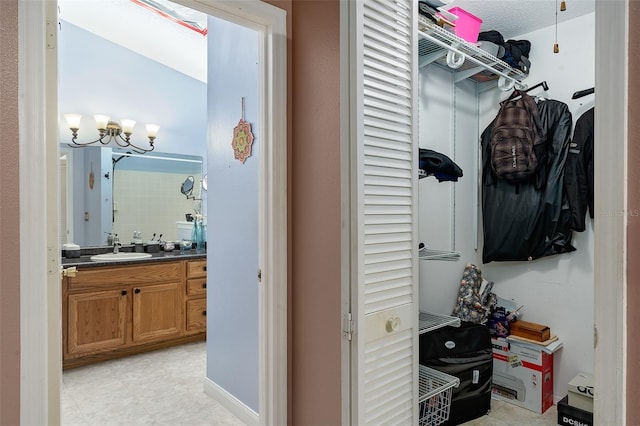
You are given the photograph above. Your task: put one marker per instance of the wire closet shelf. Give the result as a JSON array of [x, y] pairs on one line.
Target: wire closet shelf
[[442, 47]]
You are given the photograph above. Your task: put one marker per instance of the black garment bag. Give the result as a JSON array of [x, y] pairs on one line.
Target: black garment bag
[[463, 352]]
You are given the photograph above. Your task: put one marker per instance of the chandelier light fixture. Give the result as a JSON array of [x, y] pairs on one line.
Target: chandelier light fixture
[[109, 131]]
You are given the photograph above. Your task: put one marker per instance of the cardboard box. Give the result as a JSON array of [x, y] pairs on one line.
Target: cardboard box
[[523, 373], [571, 416], [581, 392]]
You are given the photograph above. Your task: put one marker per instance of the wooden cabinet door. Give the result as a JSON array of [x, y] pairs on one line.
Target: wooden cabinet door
[[196, 315], [96, 321], [157, 311]]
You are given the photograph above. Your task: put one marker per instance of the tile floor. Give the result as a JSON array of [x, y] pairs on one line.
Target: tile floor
[[506, 414], [165, 387]]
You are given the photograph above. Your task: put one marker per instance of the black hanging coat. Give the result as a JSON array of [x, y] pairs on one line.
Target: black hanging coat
[[579, 171], [529, 220]]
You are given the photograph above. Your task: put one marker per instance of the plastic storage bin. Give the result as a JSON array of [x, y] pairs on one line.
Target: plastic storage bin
[[467, 25]]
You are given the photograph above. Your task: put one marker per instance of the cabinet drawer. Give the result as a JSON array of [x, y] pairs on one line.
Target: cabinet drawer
[[196, 315], [197, 268], [197, 287], [150, 273]]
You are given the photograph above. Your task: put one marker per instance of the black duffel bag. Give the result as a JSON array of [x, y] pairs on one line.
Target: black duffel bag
[[463, 352]]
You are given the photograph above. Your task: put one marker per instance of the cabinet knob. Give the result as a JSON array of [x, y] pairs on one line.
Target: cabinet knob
[[204, 313], [123, 292], [204, 285], [136, 291]]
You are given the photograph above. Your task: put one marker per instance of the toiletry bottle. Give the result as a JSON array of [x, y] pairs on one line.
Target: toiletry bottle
[[201, 236]]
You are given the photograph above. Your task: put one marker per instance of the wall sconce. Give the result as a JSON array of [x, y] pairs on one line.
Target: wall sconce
[[111, 131]]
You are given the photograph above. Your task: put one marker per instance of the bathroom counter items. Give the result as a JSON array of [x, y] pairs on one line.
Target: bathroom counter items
[[85, 261]]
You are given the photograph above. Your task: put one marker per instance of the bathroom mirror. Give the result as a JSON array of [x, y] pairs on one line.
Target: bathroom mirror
[[115, 191]]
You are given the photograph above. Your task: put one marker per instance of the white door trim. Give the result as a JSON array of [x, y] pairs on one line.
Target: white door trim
[[271, 23], [40, 301], [610, 257], [40, 298]]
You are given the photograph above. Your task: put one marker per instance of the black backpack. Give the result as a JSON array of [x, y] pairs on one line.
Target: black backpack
[[516, 139]]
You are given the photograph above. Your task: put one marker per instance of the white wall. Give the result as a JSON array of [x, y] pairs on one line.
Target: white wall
[[557, 290]]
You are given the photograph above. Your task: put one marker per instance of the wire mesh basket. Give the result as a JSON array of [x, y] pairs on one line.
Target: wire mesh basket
[[436, 388]]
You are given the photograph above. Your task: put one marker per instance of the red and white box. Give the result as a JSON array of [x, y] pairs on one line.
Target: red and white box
[[523, 373]]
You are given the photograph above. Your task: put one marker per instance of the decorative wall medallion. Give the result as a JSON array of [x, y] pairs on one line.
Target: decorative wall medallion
[[242, 139]]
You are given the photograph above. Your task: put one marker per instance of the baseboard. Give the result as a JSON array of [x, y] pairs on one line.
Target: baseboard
[[231, 403]]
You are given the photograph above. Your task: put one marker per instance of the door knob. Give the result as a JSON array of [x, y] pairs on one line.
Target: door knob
[[393, 324]]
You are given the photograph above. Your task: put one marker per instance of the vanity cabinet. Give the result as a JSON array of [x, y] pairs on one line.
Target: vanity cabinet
[[196, 305], [114, 311]]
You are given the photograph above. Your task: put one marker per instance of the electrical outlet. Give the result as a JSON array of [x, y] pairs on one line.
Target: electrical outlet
[[86, 216]]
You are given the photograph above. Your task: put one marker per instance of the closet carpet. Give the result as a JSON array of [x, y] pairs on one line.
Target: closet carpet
[[163, 387]]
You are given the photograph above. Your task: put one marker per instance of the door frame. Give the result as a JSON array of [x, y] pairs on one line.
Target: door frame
[[40, 288]]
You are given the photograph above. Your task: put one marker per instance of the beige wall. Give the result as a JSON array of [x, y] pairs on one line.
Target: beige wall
[[315, 206], [633, 231], [9, 210]]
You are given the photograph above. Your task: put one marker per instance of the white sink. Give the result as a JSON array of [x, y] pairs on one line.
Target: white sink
[[119, 257]]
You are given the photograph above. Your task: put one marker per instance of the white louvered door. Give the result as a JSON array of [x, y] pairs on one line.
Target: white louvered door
[[383, 74]]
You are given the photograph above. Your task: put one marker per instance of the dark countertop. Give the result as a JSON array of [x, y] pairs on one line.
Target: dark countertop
[[86, 262]]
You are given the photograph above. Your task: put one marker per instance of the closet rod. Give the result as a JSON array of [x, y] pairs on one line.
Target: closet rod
[[581, 93]]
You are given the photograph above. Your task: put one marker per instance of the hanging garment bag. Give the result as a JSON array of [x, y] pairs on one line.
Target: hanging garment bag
[[464, 352]]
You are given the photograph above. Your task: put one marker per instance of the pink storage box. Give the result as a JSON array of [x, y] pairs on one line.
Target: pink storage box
[[467, 25]]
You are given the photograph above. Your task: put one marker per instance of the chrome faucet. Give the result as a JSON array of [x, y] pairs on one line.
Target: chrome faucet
[[116, 244]]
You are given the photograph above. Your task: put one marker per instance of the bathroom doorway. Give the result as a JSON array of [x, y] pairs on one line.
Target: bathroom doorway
[[43, 354]]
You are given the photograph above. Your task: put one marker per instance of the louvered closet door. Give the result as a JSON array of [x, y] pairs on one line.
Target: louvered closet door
[[384, 199]]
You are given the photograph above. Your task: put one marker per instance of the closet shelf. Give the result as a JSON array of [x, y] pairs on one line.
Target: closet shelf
[[442, 47], [434, 395], [433, 254], [429, 321]]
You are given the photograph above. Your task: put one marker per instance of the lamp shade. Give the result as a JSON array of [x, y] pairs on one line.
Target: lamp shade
[[73, 120], [152, 130], [101, 121], [127, 125]]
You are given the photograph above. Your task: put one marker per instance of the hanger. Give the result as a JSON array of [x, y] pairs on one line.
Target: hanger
[[516, 92], [581, 93], [544, 85]]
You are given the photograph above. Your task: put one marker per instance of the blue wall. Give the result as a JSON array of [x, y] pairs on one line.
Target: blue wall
[[232, 247]]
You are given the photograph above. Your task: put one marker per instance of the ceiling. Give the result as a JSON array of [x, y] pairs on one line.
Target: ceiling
[[156, 37], [513, 18]]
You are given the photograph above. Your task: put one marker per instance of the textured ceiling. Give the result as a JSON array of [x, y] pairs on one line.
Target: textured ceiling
[[516, 17]]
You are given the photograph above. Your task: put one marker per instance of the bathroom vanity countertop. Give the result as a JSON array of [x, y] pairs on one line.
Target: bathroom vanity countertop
[[86, 262]]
